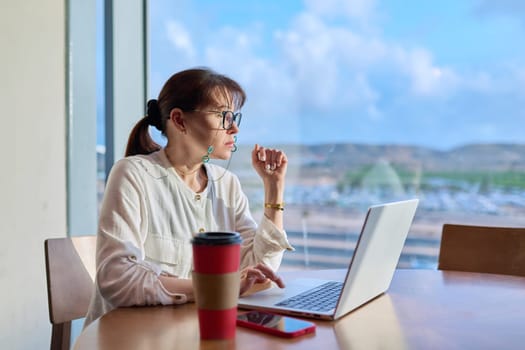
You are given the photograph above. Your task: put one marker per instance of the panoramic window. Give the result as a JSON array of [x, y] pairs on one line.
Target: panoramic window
[[101, 105], [373, 101]]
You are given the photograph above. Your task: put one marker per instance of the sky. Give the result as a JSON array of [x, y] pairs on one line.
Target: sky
[[439, 74]]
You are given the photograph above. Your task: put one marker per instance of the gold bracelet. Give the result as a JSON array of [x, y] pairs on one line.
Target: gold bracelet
[[276, 206]]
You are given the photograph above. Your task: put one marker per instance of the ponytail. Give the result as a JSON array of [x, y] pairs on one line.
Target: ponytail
[[140, 141]]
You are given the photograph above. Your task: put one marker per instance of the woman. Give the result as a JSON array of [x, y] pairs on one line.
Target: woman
[[157, 198]]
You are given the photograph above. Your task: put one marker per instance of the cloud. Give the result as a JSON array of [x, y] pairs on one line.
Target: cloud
[[360, 10], [322, 68], [326, 64], [180, 38], [336, 68], [324, 61], [316, 68], [427, 79]]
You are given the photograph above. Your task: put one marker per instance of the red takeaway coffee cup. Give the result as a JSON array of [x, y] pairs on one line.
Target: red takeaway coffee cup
[[216, 282]]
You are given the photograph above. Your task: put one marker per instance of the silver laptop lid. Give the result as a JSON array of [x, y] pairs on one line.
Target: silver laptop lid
[[376, 254]]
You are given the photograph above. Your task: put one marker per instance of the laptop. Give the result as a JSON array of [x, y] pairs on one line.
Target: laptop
[[369, 273]]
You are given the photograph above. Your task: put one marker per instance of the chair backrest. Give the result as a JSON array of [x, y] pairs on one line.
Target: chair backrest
[[488, 249], [70, 270]]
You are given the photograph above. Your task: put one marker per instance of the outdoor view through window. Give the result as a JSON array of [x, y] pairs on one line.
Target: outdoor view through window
[[373, 101]]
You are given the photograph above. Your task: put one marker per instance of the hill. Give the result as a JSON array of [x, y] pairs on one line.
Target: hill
[[314, 161]]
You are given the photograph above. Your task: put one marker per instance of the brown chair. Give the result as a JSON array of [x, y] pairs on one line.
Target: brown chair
[[489, 249], [70, 271]]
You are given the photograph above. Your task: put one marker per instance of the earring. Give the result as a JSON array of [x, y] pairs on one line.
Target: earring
[[234, 144], [206, 157]]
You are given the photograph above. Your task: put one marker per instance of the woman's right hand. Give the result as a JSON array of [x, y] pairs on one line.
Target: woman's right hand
[[269, 163], [258, 277]]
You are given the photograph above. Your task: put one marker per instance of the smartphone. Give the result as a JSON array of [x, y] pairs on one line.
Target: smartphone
[[267, 322]]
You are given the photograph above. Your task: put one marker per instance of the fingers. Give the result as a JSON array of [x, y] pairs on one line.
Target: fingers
[[260, 153], [261, 273], [270, 274], [268, 159], [258, 277], [257, 287]]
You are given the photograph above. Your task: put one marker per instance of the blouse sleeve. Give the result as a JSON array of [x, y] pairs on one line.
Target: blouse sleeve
[[265, 242], [123, 277]]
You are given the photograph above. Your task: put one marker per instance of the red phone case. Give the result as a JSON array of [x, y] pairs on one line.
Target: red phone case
[[308, 328]]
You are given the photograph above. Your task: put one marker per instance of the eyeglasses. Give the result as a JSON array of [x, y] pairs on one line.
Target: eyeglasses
[[228, 117]]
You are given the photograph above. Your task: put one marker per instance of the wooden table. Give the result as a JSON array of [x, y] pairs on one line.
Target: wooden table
[[424, 309]]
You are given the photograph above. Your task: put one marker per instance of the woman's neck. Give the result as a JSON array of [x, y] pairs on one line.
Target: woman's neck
[[192, 173]]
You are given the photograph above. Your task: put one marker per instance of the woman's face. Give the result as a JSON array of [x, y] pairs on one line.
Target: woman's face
[[207, 127]]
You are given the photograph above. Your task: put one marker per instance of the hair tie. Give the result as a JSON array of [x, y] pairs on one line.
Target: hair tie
[[153, 114]]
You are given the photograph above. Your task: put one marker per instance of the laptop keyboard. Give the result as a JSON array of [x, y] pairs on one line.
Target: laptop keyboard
[[322, 298]]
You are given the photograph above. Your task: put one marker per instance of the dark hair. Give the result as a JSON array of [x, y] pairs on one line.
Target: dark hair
[[187, 90]]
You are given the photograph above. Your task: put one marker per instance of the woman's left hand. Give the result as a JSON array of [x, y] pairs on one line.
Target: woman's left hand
[[269, 163], [258, 274]]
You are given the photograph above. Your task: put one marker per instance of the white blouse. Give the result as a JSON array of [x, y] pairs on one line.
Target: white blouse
[[147, 220]]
